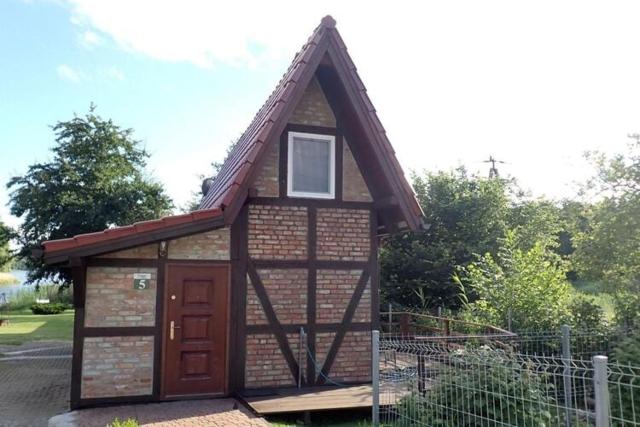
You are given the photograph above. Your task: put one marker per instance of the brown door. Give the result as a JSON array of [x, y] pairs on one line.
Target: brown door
[[195, 330]]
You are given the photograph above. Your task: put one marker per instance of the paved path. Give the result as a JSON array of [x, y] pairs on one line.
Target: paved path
[[197, 413], [34, 386], [34, 383]]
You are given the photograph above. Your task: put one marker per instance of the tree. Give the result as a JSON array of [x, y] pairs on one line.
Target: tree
[[466, 215], [531, 284], [608, 249], [95, 180], [6, 257]]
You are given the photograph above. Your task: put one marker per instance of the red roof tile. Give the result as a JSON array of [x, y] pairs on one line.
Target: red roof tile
[[111, 234]]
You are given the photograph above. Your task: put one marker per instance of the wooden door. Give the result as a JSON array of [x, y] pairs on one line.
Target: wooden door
[[195, 330]]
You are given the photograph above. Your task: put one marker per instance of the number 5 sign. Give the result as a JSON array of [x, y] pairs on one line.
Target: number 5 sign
[[141, 281]]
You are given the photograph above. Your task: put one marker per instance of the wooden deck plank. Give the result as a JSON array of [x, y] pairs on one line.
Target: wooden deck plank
[[319, 399]]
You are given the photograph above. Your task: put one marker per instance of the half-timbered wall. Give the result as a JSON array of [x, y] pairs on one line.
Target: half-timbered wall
[[118, 329], [310, 264]]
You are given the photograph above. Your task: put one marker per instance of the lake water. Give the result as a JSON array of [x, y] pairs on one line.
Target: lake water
[[9, 290]]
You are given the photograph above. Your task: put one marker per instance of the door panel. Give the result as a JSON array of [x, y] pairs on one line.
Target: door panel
[[195, 329]]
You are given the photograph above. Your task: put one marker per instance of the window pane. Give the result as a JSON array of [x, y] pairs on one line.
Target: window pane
[[310, 165]]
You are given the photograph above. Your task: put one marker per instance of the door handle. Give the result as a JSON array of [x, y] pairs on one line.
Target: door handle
[[172, 328]]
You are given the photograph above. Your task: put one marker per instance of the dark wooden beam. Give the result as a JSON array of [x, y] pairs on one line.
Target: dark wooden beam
[[276, 327], [342, 330], [237, 340], [79, 277]]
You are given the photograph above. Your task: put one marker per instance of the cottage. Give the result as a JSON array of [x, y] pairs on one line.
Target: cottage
[[213, 302]]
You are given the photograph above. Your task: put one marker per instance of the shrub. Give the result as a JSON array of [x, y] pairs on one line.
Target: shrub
[[479, 385], [623, 383], [626, 306], [586, 314], [530, 284], [50, 308], [129, 422]]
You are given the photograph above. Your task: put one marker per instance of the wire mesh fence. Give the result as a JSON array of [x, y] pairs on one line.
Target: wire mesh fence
[[551, 379]]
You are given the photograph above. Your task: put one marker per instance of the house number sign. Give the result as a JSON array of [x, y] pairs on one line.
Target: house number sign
[[141, 281]]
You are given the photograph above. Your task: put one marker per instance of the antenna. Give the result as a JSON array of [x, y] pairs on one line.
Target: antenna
[[493, 172]]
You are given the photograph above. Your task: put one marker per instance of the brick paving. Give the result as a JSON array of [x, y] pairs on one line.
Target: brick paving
[[197, 413], [34, 387], [34, 383]]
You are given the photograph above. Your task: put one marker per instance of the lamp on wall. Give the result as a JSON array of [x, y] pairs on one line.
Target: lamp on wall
[[162, 249]]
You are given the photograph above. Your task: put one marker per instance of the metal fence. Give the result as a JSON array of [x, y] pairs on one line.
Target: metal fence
[[536, 380]]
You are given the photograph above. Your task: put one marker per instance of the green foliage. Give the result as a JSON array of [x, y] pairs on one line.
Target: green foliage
[[529, 283], [6, 256], [626, 306], [95, 180], [536, 221], [586, 314], [608, 249], [625, 395], [466, 216], [48, 308], [480, 385], [129, 422]]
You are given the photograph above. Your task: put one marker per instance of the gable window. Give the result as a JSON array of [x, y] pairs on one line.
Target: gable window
[[311, 165]]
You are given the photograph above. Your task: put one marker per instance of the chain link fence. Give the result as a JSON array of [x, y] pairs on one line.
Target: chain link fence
[[525, 379]]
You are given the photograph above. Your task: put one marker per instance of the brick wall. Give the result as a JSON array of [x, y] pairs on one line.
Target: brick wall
[[112, 301], [353, 360], [277, 232], [145, 251], [334, 291], [117, 366], [354, 188], [313, 108], [265, 365], [267, 181], [343, 234], [287, 291], [210, 245]]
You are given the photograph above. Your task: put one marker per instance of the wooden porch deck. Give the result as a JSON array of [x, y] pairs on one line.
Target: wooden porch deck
[[320, 398]]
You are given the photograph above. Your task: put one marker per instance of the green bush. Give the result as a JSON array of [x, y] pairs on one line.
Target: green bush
[[50, 308], [626, 306], [530, 284], [129, 422], [623, 382], [479, 385], [586, 314]]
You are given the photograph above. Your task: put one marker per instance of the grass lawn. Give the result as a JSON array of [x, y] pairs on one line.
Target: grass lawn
[[343, 418], [24, 327]]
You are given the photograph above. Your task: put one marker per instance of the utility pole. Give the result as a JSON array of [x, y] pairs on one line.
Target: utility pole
[[493, 172]]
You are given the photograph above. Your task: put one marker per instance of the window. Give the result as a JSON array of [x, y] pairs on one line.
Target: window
[[311, 165]]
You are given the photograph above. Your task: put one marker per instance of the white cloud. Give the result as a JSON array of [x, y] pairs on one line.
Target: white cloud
[[115, 73], [89, 39], [66, 72], [532, 83]]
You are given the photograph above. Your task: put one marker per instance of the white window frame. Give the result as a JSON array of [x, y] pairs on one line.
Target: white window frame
[[332, 166]]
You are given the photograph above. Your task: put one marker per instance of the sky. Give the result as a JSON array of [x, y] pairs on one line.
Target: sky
[[533, 83]]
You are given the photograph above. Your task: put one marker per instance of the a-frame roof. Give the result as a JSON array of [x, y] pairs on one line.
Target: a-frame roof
[[324, 50], [325, 56]]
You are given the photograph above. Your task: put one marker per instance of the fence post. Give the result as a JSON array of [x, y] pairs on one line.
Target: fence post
[[404, 323], [601, 387], [301, 354], [390, 330], [509, 320], [375, 378], [566, 376]]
